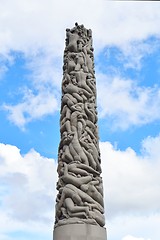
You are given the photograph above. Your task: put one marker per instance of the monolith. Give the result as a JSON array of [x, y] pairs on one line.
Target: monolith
[[79, 204]]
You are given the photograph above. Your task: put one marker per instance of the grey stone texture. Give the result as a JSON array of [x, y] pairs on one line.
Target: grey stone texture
[[80, 232], [79, 201]]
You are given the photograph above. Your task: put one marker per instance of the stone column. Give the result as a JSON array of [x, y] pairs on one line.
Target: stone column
[[79, 203]]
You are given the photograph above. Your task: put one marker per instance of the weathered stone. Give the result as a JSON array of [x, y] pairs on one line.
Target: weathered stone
[[80, 232], [79, 202]]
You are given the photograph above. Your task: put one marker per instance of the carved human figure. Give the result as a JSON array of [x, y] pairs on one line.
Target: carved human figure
[[79, 198], [82, 169], [72, 38], [92, 191], [76, 211], [76, 181], [68, 100], [98, 216], [91, 83], [68, 152], [81, 81], [87, 143], [80, 190], [70, 62], [89, 59], [78, 122], [72, 149], [87, 48], [80, 60], [74, 90], [90, 111]]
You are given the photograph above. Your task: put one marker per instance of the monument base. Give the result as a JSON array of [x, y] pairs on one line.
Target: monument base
[[79, 232]]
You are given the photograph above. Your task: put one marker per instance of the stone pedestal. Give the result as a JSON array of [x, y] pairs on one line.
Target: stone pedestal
[[79, 232]]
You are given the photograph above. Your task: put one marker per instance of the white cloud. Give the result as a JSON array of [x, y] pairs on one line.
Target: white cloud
[[133, 54], [129, 237], [150, 147], [132, 180], [27, 191], [46, 70], [4, 237], [126, 103], [33, 27], [131, 187], [6, 60], [42, 96], [123, 100], [27, 26], [3, 70], [32, 107], [131, 184], [145, 227]]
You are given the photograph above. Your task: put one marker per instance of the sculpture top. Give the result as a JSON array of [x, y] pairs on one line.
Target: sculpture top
[[77, 37], [80, 197]]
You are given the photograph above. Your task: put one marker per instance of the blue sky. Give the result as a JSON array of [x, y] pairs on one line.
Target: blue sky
[[126, 39]]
